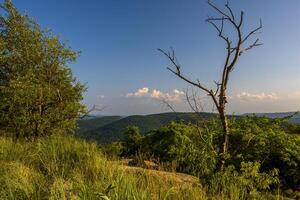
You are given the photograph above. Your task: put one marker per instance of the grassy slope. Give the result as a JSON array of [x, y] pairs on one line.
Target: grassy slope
[[69, 168], [65, 167]]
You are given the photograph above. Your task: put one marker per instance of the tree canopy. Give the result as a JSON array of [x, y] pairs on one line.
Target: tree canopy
[[38, 92]]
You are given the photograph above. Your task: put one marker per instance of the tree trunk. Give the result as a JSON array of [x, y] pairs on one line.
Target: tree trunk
[[224, 150]]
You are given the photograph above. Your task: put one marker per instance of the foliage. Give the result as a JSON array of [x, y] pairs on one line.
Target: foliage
[[175, 143], [113, 150], [180, 142], [248, 177], [133, 141], [270, 142], [38, 93]]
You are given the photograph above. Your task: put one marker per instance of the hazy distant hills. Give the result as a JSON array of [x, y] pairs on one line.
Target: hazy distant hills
[[295, 119], [110, 128], [95, 122]]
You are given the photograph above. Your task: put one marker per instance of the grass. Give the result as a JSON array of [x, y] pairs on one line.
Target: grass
[[64, 167]]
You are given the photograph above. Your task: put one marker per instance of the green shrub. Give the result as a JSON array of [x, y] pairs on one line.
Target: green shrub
[[113, 150], [248, 182], [132, 143], [272, 143], [269, 142], [181, 143]]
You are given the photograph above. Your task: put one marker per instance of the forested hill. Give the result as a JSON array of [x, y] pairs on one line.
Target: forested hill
[[294, 117], [92, 123], [105, 129], [110, 128]]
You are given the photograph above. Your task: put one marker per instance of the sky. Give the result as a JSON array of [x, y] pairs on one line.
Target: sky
[[126, 75]]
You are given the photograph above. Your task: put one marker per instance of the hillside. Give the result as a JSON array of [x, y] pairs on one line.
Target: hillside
[[89, 124], [105, 129], [106, 132], [295, 118]]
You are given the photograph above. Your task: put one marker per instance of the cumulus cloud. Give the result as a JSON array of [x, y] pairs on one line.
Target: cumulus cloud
[[139, 93], [156, 94], [176, 94], [245, 96]]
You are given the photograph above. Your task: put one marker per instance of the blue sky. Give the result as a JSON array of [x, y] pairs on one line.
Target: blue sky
[[118, 40]]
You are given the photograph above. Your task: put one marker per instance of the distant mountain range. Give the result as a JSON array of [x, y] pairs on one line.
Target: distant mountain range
[[104, 129], [295, 117], [111, 128]]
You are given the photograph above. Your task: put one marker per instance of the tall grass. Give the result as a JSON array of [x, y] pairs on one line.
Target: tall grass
[[63, 167]]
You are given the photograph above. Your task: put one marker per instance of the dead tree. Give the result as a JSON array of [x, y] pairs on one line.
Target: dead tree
[[235, 47]]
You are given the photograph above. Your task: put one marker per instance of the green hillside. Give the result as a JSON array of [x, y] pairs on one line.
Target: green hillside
[[104, 132], [105, 129], [293, 116], [95, 122]]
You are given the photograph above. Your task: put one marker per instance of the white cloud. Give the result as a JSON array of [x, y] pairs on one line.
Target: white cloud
[[139, 93], [178, 92], [156, 94], [174, 96], [245, 96]]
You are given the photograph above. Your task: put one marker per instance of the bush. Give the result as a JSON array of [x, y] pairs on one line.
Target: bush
[[132, 143], [175, 143], [269, 142], [113, 150], [272, 143], [248, 182]]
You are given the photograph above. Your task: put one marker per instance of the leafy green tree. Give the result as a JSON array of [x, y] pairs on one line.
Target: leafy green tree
[[179, 143], [38, 92], [133, 141], [274, 143], [270, 142]]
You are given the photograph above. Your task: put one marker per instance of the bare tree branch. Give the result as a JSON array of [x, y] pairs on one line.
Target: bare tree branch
[[218, 10], [253, 31], [94, 108], [234, 49], [165, 102], [231, 13], [193, 102]]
